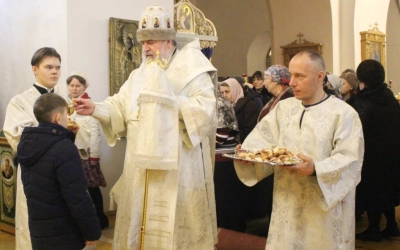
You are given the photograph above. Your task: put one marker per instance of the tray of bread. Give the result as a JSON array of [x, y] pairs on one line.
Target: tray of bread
[[272, 156]]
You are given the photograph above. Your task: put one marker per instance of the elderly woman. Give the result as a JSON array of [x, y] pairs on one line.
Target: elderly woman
[[245, 108], [350, 85], [276, 80], [227, 127]]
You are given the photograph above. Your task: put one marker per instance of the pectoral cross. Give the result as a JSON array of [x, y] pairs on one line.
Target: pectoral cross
[[163, 63]]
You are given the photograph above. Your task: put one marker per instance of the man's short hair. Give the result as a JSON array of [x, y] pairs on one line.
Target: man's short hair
[[315, 56], [47, 104], [371, 72], [42, 53]]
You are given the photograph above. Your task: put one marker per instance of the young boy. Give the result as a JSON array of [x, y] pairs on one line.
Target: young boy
[[46, 65], [61, 213]]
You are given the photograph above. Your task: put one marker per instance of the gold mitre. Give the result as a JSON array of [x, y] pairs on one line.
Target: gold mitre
[[155, 24]]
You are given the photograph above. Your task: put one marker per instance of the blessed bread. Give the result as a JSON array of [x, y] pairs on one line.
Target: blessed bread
[[278, 155]]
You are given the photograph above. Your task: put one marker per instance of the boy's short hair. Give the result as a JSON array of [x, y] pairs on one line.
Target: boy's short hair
[[47, 104], [40, 54]]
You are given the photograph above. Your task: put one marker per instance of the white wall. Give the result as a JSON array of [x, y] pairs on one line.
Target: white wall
[[26, 26]]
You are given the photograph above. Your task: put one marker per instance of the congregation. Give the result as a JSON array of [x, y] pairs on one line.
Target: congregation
[[177, 189]]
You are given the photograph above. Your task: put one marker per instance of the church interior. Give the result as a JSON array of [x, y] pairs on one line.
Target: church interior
[[249, 36]]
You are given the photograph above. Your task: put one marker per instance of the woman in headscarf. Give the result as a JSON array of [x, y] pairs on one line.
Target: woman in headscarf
[[227, 127], [276, 80], [333, 85], [77, 86], [350, 85], [245, 108], [229, 191]]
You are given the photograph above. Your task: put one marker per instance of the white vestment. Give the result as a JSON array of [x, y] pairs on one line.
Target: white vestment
[[170, 129], [311, 212], [19, 114]]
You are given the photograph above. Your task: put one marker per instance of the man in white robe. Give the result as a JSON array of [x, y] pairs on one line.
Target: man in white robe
[[167, 111], [46, 64], [313, 201]]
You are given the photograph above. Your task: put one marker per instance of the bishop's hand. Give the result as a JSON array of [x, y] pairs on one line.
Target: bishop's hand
[[84, 106]]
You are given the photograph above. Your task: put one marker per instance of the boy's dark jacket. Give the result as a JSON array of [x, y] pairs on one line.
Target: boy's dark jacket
[[61, 213]]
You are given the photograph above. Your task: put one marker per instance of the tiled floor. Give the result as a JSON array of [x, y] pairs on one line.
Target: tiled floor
[[7, 241]]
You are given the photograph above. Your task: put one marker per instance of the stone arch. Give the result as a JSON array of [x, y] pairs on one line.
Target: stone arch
[[257, 52]]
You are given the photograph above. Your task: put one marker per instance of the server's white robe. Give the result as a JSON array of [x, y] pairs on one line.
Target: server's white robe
[[188, 95], [312, 212]]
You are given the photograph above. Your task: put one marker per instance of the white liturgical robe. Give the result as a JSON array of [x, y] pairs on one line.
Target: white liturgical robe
[[19, 114], [311, 212], [169, 119]]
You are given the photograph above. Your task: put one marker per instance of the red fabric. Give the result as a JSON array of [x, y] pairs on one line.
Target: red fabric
[[85, 96], [232, 240], [274, 100], [219, 158]]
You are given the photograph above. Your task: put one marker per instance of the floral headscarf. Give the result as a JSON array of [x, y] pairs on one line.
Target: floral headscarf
[[225, 113], [236, 90], [279, 74]]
